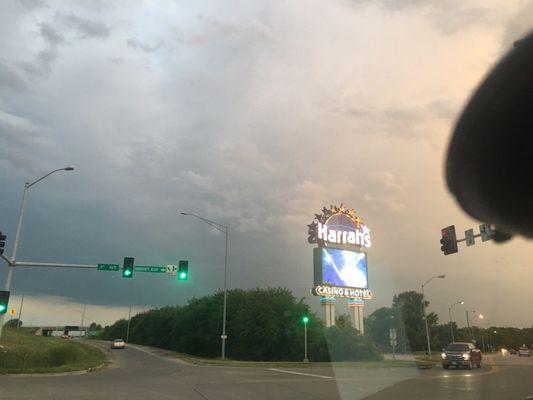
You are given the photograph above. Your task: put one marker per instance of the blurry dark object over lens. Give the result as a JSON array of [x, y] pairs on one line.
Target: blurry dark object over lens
[[489, 167]]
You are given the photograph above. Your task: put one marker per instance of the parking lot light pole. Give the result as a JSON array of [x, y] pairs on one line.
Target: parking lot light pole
[[224, 230], [11, 264], [425, 313], [450, 313]]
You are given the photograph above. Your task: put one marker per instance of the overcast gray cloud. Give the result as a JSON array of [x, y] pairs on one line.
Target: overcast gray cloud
[[449, 16], [255, 117], [86, 27]]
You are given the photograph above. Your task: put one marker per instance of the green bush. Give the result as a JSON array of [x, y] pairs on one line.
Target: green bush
[[345, 344]]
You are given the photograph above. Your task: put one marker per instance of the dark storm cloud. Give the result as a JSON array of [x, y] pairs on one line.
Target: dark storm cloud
[[86, 27]]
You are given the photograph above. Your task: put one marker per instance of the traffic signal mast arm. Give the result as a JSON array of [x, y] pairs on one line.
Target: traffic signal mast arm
[[449, 238], [7, 260], [51, 265]]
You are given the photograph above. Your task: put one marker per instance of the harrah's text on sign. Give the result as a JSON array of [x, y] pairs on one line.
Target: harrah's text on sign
[[360, 237]]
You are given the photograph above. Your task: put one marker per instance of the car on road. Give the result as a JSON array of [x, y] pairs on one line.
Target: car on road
[[461, 354], [524, 351], [513, 351], [118, 344]]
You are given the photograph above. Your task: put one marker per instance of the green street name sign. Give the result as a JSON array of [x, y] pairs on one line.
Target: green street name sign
[[108, 267], [150, 268]]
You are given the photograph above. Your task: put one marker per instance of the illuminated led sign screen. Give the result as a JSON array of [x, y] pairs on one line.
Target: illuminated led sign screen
[[340, 268]]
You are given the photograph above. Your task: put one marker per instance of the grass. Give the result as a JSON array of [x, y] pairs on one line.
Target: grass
[[23, 352]]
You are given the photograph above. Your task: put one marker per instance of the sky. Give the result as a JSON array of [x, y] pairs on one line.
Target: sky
[[254, 115]]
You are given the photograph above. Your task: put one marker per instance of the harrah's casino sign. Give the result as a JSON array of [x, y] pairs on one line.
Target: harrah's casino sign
[[338, 226]]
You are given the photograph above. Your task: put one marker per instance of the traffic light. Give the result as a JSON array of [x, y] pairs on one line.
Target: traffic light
[[127, 268], [183, 270], [2, 242], [305, 319], [4, 300], [448, 240]]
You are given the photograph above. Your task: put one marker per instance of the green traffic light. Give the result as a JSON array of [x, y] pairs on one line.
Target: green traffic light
[[3, 308], [305, 319], [182, 276]]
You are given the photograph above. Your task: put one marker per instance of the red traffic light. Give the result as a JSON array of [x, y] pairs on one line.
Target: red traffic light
[[448, 240]]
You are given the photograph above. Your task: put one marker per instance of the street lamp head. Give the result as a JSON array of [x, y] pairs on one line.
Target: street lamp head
[[441, 276], [183, 213], [69, 168], [481, 316], [462, 302]]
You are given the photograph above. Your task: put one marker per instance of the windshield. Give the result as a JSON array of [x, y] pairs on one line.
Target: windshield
[[266, 199], [458, 347]]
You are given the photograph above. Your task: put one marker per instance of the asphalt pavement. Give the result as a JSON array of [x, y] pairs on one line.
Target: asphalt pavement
[[142, 373]]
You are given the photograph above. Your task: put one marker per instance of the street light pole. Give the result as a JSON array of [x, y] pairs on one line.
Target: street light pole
[[224, 229], [470, 327], [480, 316], [11, 264], [425, 312], [450, 313]]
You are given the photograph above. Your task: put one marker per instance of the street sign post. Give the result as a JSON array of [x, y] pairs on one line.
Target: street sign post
[[107, 267], [469, 236], [150, 268]]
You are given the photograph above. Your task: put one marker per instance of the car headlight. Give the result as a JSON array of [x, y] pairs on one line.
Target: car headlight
[[466, 356], [443, 355]]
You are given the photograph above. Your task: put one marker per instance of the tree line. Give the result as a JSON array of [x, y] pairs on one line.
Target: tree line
[[406, 315], [262, 324]]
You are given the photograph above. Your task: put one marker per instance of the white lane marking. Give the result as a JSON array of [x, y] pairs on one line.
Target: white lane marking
[[300, 373]]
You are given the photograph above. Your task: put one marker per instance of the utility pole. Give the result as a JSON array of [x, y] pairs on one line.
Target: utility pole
[[128, 328], [83, 317]]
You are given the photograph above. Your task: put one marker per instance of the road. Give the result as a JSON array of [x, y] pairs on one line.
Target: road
[[138, 373]]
